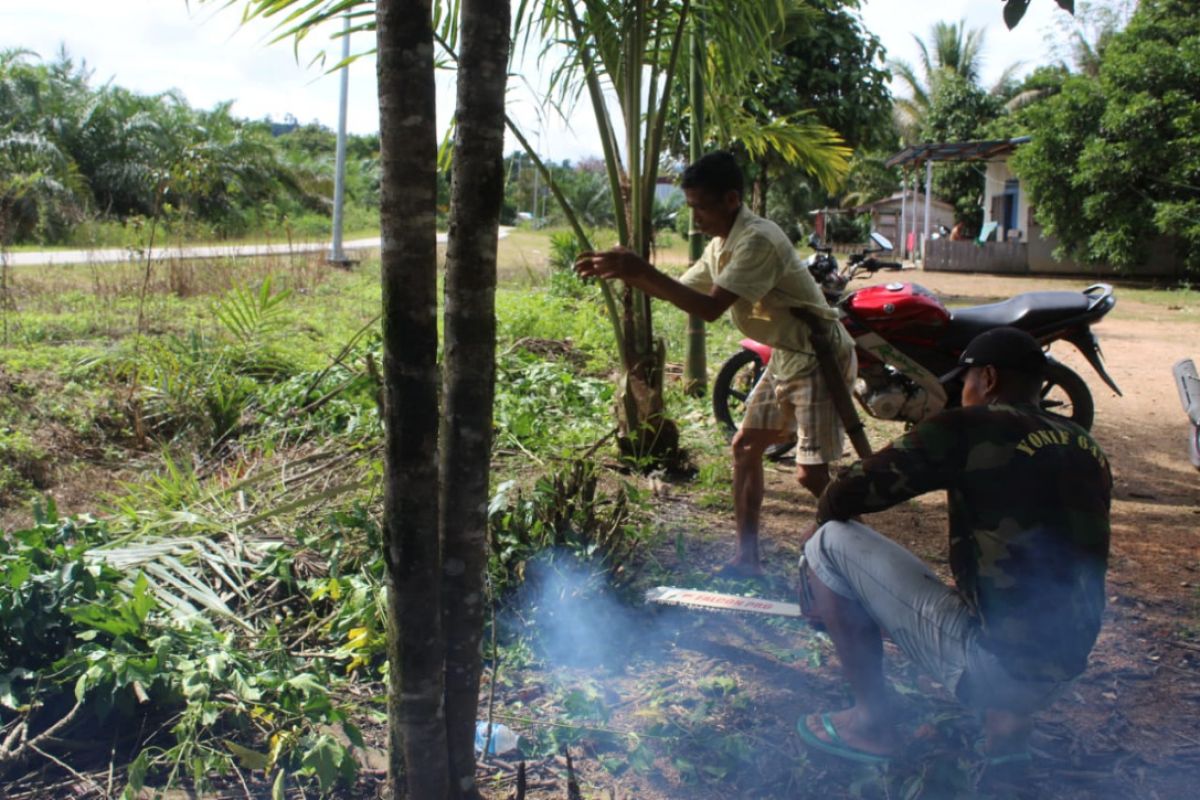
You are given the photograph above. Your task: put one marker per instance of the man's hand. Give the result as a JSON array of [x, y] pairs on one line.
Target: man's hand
[[617, 262], [623, 263]]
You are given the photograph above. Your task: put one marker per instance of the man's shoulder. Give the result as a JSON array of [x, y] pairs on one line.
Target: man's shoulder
[[1027, 429], [971, 425], [754, 226]]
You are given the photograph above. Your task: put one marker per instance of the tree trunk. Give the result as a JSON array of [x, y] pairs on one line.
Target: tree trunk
[[477, 193], [762, 182], [417, 765]]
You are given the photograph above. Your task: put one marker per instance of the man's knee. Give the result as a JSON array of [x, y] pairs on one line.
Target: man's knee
[[834, 550], [813, 477], [748, 445], [819, 543]]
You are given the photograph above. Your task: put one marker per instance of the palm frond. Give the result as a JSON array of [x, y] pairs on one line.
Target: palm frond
[[799, 140], [188, 576], [249, 315]]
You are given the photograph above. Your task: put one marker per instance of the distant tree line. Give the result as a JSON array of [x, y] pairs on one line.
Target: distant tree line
[[80, 163]]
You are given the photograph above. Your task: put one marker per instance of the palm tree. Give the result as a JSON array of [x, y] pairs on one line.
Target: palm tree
[[41, 189], [408, 200], [952, 49], [476, 197], [1090, 31], [436, 485], [632, 50]]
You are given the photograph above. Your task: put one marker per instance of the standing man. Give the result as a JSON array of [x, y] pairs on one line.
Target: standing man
[[1029, 496], [751, 267]]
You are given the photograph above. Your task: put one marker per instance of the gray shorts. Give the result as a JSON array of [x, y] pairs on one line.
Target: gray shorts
[[927, 619]]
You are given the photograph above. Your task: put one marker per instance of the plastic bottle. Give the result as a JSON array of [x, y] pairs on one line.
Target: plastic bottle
[[504, 740]]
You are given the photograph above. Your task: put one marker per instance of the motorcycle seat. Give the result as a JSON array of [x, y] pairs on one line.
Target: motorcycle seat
[[1032, 312]]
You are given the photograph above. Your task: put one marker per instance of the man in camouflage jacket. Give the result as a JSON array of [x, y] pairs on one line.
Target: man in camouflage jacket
[[1028, 495]]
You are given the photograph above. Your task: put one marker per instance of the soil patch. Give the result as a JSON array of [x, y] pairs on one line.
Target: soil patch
[[720, 693]]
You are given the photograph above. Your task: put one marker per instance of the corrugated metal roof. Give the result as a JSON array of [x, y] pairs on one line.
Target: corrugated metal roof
[[918, 154], [897, 199]]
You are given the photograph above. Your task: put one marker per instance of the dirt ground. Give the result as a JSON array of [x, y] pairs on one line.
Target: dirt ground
[[665, 703], [724, 691]]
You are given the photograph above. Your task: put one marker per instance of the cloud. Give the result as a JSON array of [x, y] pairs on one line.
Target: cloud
[[152, 46]]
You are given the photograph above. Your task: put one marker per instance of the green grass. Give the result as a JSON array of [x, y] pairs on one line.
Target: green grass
[[269, 428]]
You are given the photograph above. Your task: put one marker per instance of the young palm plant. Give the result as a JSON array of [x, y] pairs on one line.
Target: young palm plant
[[633, 50]]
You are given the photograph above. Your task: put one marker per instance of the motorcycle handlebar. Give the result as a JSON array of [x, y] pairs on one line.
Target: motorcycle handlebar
[[870, 265]]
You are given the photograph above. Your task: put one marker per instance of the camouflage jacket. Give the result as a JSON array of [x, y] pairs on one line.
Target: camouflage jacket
[[1029, 497]]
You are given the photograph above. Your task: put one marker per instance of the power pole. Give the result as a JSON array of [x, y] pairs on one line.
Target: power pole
[[337, 256], [695, 372]]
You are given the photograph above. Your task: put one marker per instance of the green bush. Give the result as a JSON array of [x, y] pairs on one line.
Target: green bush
[[565, 247]]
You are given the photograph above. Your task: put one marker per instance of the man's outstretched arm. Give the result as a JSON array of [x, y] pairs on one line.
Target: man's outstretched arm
[[925, 459], [634, 270]]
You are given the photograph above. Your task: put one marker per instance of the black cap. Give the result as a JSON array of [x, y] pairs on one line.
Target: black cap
[[1006, 348]]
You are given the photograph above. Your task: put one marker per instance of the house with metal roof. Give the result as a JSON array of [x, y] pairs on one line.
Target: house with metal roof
[[1010, 239]]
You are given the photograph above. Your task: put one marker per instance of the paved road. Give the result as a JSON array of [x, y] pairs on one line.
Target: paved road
[[118, 255]]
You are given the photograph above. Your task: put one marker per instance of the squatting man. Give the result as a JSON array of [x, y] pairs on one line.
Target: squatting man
[[1028, 496], [751, 268]]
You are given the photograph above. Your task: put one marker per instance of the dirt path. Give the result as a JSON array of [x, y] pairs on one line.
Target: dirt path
[[722, 692]]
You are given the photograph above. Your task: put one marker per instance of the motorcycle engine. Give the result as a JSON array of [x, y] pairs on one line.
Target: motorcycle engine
[[886, 394]]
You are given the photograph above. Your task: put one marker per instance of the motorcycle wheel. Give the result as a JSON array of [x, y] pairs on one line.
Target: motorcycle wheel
[[733, 384], [1066, 394]]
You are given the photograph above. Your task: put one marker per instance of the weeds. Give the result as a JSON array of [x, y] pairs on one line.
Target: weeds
[[564, 509], [117, 622], [218, 610], [547, 406]]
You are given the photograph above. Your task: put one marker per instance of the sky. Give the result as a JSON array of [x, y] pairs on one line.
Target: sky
[[204, 51]]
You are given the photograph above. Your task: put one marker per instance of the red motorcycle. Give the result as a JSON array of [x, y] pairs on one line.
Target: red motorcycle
[[905, 339]]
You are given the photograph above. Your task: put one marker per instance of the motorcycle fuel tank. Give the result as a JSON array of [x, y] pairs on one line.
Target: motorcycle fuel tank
[[899, 311]]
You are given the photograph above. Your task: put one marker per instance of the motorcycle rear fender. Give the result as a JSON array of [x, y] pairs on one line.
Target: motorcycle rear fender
[[1188, 383], [762, 350], [1086, 343]]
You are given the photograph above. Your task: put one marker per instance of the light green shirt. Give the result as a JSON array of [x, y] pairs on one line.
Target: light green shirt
[[758, 263]]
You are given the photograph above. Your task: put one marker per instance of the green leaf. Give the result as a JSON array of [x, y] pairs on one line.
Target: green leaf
[[354, 735], [641, 759], [135, 776], [613, 764], [306, 683], [102, 618], [1014, 10], [324, 757], [279, 787], [18, 573], [687, 770], [250, 759], [142, 603]]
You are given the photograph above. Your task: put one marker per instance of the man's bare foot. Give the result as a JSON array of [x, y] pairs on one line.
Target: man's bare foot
[[856, 730], [1006, 733]]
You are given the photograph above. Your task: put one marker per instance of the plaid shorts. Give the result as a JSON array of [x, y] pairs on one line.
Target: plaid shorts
[[802, 406]]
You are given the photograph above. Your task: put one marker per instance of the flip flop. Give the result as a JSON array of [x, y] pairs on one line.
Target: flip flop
[[1003, 772], [1015, 759], [836, 746]]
